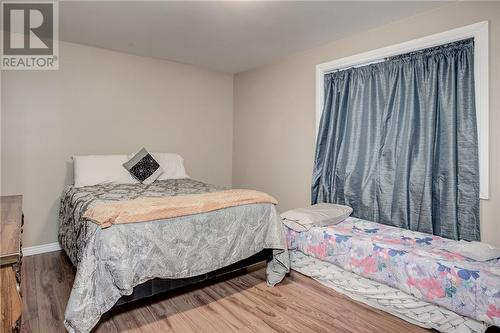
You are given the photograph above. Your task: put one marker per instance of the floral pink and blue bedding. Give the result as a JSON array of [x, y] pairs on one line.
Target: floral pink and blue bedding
[[413, 262]]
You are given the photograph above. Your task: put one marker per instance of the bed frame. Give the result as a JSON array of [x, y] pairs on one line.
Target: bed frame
[[158, 286]]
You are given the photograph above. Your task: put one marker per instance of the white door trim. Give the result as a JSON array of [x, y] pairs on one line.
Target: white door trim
[[478, 31]]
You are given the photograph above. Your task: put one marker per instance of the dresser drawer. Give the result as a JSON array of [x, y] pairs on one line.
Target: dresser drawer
[[11, 228], [10, 299]]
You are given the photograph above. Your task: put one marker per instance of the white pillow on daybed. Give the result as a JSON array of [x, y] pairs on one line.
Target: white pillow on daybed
[[101, 169], [322, 214], [474, 250]]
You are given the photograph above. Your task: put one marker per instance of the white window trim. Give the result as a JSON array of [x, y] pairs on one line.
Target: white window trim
[[478, 31]]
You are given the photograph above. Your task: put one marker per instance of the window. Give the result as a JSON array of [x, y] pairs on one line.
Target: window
[[479, 32]]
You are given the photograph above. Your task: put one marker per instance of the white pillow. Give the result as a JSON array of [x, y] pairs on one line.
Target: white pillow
[[171, 163], [101, 169], [318, 215], [475, 250]]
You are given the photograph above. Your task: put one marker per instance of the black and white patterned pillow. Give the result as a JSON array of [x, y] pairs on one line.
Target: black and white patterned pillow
[[143, 167]]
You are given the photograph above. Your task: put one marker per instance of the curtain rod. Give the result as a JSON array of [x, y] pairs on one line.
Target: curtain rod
[[356, 66]]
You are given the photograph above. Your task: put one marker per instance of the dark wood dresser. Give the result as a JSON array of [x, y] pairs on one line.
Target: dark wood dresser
[[11, 228]]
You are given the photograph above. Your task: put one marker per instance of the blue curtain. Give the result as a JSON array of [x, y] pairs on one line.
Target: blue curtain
[[398, 142]]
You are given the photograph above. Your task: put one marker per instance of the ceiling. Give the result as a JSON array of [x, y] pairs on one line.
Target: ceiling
[[223, 36]]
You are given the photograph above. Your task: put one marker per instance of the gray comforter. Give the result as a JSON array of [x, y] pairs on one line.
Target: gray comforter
[[110, 262]]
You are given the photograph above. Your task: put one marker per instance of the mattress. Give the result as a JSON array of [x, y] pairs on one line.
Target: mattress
[[412, 262], [111, 261]]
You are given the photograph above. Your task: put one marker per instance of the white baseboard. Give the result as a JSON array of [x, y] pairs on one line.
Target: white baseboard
[[38, 249]]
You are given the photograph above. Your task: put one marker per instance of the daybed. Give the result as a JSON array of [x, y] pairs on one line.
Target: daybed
[[412, 263]]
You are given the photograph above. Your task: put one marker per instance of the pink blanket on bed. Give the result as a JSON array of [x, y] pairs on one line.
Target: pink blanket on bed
[[107, 212]]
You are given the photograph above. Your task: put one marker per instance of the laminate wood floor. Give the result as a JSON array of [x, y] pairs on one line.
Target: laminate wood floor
[[240, 303]]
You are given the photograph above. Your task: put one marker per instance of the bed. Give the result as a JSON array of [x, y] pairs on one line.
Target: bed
[[411, 262], [128, 261]]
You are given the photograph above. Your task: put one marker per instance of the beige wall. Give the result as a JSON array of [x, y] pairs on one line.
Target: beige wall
[[274, 112], [102, 102]]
